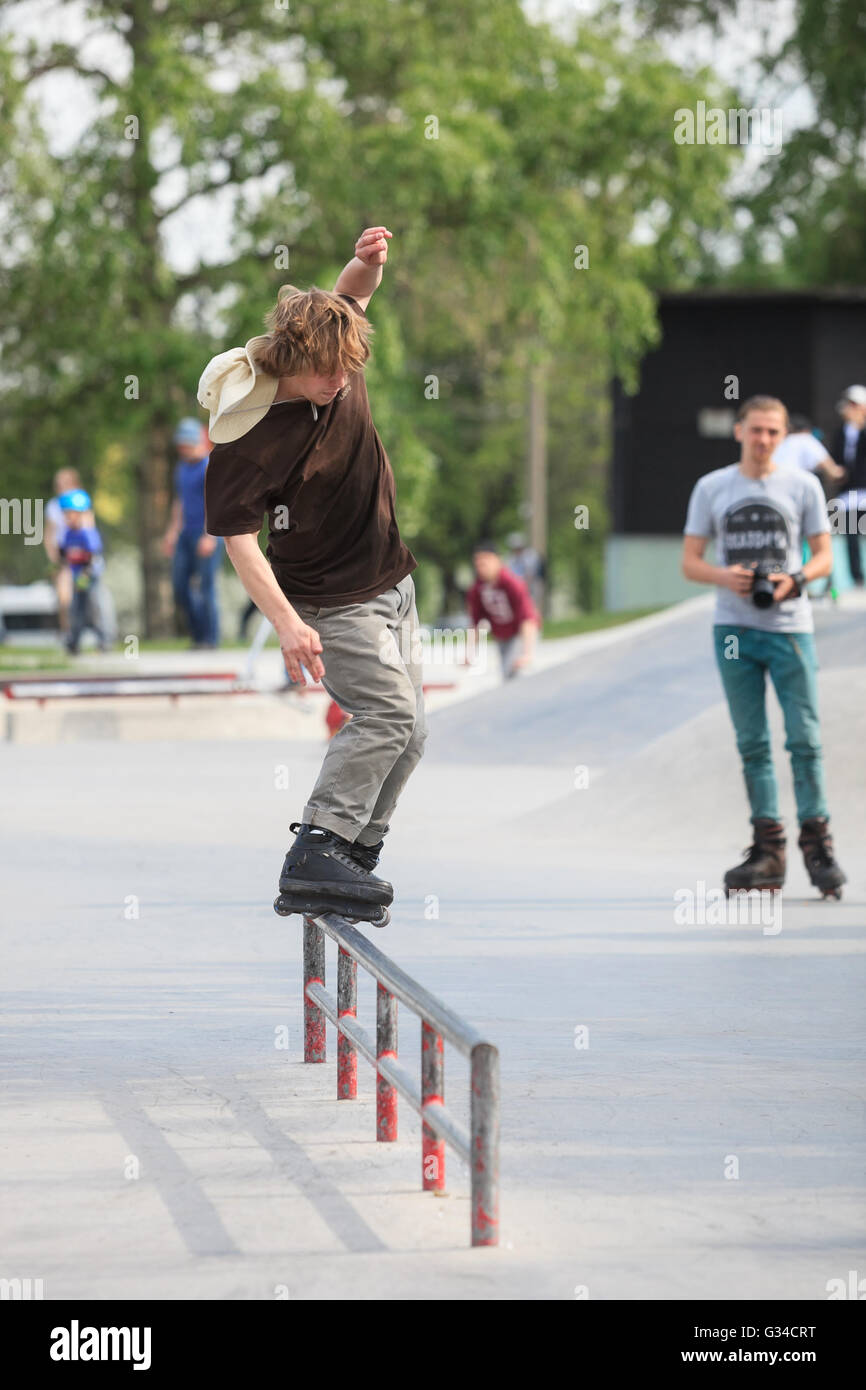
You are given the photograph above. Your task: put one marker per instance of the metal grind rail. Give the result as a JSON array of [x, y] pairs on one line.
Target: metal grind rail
[[75, 687], [479, 1148]]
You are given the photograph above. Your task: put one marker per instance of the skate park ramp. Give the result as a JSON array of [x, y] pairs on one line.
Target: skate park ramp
[[681, 1100], [645, 723]]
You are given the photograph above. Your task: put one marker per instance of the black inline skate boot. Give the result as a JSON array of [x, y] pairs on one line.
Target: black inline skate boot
[[367, 855], [320, 874], [816, 842], [764, 864]]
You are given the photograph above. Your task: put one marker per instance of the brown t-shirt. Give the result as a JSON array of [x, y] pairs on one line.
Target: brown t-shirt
[[328, 490]]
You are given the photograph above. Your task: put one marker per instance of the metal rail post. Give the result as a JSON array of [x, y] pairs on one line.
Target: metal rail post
[[432, 1092], [484, 1124], [386, 1046], [347, 1007], [314, 972], [479, 1146]]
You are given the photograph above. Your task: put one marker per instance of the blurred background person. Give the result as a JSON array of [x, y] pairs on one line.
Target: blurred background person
[[849, 448], [196, 556], [246, 618], [66, 480], [525, 563], [504, 601], [801, 449], [79, 546]]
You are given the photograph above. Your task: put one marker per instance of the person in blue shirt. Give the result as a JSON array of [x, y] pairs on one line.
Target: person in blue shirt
[[79, 546], [196, 555]]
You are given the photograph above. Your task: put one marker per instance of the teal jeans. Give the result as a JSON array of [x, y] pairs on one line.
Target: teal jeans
[[745, 657]]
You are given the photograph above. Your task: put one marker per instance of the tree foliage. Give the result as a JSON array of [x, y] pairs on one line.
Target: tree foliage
[[492, 147], [807, 208]]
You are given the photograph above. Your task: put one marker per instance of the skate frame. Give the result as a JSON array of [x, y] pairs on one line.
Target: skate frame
[[438, 1025]]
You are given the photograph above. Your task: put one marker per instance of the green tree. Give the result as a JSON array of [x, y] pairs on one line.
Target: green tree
[[807, 208], [491, 146]]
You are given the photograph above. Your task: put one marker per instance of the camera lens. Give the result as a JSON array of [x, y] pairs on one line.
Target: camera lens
[[763, 591]]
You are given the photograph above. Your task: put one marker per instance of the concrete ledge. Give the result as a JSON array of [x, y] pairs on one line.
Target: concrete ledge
[[140, 719]]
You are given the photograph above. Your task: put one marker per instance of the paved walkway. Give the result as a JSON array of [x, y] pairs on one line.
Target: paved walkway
[[682, 1102]]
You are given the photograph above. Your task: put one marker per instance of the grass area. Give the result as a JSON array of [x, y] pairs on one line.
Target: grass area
[[19, 661], [593, 622], [181, 644]]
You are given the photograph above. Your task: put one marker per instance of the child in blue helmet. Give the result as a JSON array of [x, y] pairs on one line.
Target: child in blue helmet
[[80, 547]]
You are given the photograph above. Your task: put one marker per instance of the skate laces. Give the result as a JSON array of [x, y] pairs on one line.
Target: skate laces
[[820, 852], [366, 855], [335, 848], [818, 846], [327, 843]]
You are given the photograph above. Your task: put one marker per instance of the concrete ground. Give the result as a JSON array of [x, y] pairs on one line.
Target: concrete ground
[[682, 1102]]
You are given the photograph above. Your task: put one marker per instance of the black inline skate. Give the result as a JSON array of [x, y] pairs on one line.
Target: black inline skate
[[323, 872], [816, 843], [367, 855], [764, 864]]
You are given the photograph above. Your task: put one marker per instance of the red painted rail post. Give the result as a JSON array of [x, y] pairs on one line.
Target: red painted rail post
[[347, 1007], [314, 973], [386, 1046], [484, 1144], [432, 1090]]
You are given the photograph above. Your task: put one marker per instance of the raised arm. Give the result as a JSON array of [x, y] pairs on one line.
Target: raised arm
[[363, 275]]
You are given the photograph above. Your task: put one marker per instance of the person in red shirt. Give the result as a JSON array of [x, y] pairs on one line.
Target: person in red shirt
[[504, 601], [335, 718]]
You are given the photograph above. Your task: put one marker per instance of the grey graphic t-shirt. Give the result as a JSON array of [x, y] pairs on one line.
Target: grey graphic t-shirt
[[759, 521]]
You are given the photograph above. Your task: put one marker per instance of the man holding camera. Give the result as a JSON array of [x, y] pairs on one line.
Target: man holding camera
[[758, 515]]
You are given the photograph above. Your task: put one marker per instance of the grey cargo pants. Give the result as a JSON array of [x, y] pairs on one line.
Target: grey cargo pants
[[371, 653]]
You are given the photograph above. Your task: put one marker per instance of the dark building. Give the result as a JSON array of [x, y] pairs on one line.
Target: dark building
[[718, 347]]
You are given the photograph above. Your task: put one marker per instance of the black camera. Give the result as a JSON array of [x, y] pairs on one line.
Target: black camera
[[763, 589]]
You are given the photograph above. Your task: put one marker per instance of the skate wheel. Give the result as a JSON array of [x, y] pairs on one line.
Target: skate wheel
[[834, 893], [283, 907], [379, 917], [757, 888]]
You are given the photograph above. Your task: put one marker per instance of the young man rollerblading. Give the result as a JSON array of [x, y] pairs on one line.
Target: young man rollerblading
[[294, 440], [759, 514]]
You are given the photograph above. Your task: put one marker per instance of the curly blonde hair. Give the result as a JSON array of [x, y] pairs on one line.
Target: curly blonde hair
[[313, 331]]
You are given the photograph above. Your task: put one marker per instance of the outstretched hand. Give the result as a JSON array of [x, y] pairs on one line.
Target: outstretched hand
[[300, 646], [372, 245]]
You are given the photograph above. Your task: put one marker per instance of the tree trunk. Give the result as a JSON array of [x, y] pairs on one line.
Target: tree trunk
[[537, 481], [150, 318], [154, 505]]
